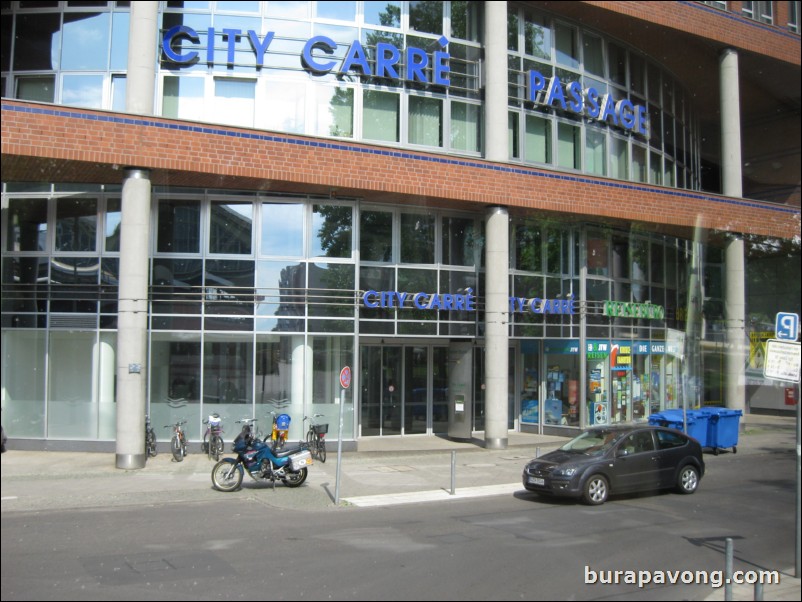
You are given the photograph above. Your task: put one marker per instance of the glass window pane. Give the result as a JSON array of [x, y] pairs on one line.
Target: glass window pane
[[387, 14], [177, 285], [229, 286], [27, 225], [465, 127], [235, 100], [76, 225], [85, 44], [334, 112], [537, 36], [37, 88], [618, 64], [282, 291], [283, 229], [230, 228], [182, 98], [594, 55], [332, 231], [566, 45], [82, 91], [331, 290], [118, 89], [528, 249], [23, 373], [426, 17], [459, 241], [342, 11], [179, 226], [119, 41], [376, 236], [638, 163], [637, 76], [380, 116], [228, 376], [466, 20], [655, 169], [37, 42], [568, 146], [619, 158], [112, 234], [595, 152], [417, 238], [71, 408], [286, 107], [538, 140], [425, 121]]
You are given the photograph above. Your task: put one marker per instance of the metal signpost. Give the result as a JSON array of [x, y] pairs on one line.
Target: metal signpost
[[782, 363], [345, 382]]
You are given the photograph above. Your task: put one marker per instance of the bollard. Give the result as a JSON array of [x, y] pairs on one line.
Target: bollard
[[758, 592], [453, 472], [537, 452], [728, 569]]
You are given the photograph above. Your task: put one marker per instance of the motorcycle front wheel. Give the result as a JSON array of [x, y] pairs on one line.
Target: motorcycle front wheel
[[176, 448], [295, 479], [227, 475]]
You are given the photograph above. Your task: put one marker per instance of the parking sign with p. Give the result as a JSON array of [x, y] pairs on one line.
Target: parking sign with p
[[786, 326]]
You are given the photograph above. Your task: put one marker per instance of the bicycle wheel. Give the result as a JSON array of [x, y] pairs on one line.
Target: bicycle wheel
[[321, 449], [150, 444], [216, 446], [311, 442], [176, 448]]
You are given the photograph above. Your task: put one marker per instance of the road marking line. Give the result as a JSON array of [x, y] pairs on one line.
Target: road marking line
[[435, 495]]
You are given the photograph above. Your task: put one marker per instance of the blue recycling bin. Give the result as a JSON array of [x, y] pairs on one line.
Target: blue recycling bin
[[696, 420], [723, 428]]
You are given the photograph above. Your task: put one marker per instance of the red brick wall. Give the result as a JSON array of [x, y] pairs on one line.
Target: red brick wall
[[47, 143]]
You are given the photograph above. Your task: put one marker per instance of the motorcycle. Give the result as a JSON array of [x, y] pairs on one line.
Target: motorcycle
[[263, 463]]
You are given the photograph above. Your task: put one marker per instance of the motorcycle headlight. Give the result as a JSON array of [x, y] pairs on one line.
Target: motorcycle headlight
[[565, 471]]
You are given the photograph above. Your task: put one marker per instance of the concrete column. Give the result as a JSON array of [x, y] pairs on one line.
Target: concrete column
[[495, 77], [132, 321], [731, 178], [497, 254]]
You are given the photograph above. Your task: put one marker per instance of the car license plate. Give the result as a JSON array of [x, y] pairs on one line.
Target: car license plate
[[536, 481]]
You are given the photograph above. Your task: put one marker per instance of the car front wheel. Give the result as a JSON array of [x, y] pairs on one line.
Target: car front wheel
[[688, 479], [596, 490]]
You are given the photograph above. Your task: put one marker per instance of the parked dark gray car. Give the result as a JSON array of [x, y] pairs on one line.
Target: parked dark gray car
[[618, 459]]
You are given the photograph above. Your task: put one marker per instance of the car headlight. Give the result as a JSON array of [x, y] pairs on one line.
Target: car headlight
[[565, 471]]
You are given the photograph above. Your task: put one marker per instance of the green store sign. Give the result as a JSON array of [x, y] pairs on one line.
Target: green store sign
[[620, 309]]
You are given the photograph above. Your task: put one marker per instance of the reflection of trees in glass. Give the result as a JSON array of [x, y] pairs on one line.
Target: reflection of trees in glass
[[376, 236], [772, 283], [342, 113], [335, 233], [426, 17]]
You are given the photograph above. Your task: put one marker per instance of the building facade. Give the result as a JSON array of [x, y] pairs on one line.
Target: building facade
[[499, 215]]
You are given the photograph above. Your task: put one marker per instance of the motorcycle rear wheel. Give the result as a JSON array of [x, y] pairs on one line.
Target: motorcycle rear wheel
[[295, 479], [227, 475]]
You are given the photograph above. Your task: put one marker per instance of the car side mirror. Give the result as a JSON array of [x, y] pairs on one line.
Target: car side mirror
[[621, 452]]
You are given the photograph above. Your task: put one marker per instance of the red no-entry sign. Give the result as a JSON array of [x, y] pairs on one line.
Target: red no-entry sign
[[345, 377]]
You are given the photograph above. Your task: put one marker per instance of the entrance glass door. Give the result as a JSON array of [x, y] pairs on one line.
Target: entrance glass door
[[403, 386], [381, 390]]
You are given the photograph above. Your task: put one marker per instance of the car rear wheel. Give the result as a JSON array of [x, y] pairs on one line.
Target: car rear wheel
[[596, 490], [688, 479]]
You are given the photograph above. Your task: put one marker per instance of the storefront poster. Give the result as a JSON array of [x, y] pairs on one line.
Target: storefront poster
[[530, 411], [553, 411]]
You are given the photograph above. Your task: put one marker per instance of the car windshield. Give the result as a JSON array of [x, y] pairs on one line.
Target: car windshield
[[593, 443]]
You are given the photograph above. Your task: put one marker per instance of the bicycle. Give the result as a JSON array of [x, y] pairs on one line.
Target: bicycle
[[150, 439], [316, 437], [178, 444], [212, 438]]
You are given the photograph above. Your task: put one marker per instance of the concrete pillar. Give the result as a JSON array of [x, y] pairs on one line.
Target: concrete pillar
[[132, 321], [495, 76], [497, 317], [731, 178]]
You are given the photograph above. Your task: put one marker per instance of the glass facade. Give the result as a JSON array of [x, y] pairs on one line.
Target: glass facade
[[257, 302], [250, 73]]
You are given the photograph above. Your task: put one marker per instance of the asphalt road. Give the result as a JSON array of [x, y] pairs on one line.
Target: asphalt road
[[501, 547]]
